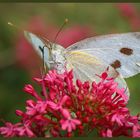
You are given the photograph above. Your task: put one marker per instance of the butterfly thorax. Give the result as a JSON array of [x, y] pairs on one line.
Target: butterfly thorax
[[57, 60]]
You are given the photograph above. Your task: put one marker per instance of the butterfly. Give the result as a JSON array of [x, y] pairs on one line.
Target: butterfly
[[91, 56]]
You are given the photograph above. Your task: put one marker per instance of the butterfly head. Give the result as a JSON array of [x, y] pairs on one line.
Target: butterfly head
[[53, 54]]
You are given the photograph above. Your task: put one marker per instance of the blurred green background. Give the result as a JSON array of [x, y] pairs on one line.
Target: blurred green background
[[93, 19]]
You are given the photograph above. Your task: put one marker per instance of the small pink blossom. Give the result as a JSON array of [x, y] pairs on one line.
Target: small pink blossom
[[25, 131], [65, 113], [118, 119], [29, 89], [69, 124], [59, 104], [9, 130], [19, 113], [34, 108]]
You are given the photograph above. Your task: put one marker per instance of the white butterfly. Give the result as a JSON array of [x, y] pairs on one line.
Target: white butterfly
[[121, 52]]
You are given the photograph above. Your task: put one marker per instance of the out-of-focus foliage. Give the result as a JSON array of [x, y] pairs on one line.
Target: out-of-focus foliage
[[18, 64]]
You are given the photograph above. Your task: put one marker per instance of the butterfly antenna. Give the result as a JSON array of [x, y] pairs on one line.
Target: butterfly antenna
[[59, 31], [11, 24]]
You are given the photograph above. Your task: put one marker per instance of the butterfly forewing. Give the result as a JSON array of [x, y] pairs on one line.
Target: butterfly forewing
[[121, 51], [38, 45]]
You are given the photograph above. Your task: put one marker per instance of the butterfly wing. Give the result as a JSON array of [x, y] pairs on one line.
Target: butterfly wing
[[38, 44], [121, 51], [86, 66]]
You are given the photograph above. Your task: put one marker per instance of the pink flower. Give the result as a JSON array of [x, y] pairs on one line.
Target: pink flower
[[69, 124], [29, 89], [118, 118], [9, 130], [76, 108], [59, 104], [25, 131], [19, 113], [34, 108], [65, 113]]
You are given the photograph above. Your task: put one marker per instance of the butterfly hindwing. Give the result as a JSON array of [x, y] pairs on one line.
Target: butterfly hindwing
[[87, 67]]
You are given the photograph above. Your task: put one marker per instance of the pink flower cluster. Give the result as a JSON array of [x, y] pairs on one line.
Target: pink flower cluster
[[65, 108]]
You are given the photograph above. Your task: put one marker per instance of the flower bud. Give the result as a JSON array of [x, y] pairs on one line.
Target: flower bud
[[29, 89]]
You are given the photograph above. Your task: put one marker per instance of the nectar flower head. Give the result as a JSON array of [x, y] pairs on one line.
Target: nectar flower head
[[67, 108]]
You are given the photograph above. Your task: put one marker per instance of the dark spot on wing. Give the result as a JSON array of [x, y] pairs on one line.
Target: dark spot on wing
[[116, 64], [126, 51]]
